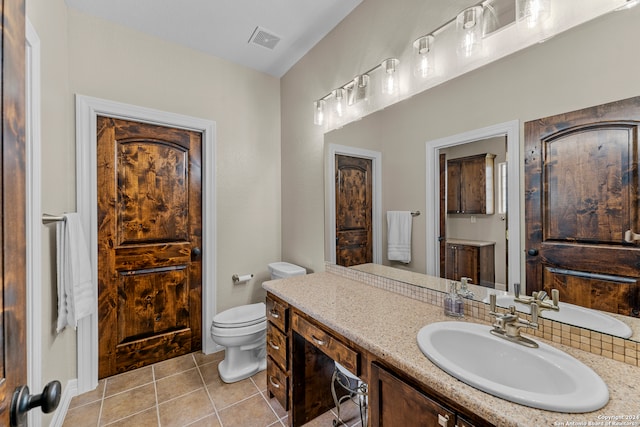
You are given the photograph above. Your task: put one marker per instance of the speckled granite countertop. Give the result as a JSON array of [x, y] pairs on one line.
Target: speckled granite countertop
[[386, 324]]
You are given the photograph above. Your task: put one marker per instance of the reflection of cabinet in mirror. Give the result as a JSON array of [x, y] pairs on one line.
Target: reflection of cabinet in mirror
[[472, 259], [470, 185]]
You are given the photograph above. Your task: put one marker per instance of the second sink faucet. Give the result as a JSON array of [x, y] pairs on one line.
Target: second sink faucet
[[541, 298], [508, 325]]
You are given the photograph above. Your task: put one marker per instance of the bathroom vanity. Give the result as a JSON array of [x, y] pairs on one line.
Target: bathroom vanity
[[323, 317]]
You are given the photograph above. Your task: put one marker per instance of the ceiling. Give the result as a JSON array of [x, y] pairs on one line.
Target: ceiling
[[225, 28]]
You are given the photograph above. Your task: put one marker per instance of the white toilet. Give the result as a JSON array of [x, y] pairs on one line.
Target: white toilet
[[242, 331]]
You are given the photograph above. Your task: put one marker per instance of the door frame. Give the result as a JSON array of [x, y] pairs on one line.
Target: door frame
[[512, 131], [87, 110], [376, 197], [34, 217]]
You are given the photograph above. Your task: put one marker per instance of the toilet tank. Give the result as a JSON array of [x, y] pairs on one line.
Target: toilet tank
[[280, 270]]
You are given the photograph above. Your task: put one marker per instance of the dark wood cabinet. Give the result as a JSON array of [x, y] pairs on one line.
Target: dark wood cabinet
[[395, 403], [278, 338], [472, 259], [470, 185]]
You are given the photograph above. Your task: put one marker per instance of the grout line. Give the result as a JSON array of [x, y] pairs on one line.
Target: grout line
[[104, 392], [206, 389], [269, 404], [155, 391], [127, 417]]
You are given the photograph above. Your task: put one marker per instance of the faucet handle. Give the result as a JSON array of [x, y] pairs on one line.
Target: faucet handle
[[516, 290], [542, 295], [534, 313], [555, 296], [492, 302]]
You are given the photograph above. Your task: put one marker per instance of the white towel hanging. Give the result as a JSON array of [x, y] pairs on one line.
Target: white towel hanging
[[399, 236], [76, 292]]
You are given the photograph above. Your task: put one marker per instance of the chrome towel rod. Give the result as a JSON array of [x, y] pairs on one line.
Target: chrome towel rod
[[48, 218], [416, 213]]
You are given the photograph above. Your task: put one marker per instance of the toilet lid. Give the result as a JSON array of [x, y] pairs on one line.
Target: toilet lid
[[244, 315]]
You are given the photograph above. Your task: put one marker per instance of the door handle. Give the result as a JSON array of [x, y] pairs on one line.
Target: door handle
[[195, 252], [532, 252], [631, 237], [22, 402]]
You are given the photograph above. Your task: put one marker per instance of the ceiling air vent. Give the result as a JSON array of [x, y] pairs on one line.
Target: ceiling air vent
[[264, 38]]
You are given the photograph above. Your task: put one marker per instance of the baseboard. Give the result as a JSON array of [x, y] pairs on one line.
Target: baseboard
[[69, 392]]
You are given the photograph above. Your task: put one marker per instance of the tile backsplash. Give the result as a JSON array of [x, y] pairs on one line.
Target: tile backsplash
[[604, 345]]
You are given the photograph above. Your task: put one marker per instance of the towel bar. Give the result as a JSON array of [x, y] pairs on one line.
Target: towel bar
[[49, 219], [416, 213]]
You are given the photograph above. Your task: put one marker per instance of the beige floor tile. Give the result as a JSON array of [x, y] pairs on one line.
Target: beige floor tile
[[253, 412], [224, 394], [349, 413], [210, 372], [148, 418], [261, 380], [323, 420], [88, 397], [173, 366], [127, 403], [279, 410], [176, 385], [128, 380], [203, 359], [209, 421], [185, 409], [82, 416]]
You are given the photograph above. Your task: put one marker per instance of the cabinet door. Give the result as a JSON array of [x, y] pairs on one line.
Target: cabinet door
[[468, 266], [450, 263], [396, 403], [453, 186], [473, 186]]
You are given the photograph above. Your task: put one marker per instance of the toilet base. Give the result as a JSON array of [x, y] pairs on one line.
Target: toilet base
[[230, 374]]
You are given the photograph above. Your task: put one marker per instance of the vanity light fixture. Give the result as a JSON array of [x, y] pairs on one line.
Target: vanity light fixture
[[358, 90], [532, 13], [390, 78], [469, 30], [423, 63], [339, 102], [318, 112]]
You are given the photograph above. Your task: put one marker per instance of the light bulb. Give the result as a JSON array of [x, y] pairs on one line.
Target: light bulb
[[423, 63], [532, 13], [469, 28], [318, 112], [390, 79]]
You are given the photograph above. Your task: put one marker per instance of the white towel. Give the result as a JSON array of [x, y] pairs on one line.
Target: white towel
[[399, 236], [76, 292]]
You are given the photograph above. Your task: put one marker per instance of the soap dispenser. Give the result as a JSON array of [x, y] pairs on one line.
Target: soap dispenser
[[465, 292], [453, 304]]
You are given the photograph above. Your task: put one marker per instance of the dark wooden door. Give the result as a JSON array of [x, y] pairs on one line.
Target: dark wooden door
[[149, 239], [581, 198], [354, 187], [13, 352]]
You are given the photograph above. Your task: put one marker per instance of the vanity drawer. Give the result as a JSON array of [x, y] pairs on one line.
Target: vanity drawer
[[277, 313], [328, 344], [277, 345], [277, 383]]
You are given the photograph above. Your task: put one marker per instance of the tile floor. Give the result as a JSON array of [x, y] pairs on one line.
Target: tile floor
[[185, 391]]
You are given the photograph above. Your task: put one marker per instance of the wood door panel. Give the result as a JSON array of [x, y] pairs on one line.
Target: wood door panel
[[581, 196], [586, 198], [152, 192], [615, 294], [149, 223], [144, 352], [152, 255], [152, 301], [354, 231]]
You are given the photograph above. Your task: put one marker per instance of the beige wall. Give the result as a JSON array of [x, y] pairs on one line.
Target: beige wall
[[85, 55], [589, 65]]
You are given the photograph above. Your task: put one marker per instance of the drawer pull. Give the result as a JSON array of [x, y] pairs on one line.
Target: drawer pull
[[443, 420], [274, 314], [276, 385], [273, 346], [318, 341]]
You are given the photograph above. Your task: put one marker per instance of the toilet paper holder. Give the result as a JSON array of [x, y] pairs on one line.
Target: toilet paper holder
[[241, 279]]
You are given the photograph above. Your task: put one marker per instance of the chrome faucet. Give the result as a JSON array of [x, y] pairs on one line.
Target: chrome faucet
[[541, 298], [508, 325]]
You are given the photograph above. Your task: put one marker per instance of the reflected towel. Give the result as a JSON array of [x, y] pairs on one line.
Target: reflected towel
[[76, 293], [399, 236]]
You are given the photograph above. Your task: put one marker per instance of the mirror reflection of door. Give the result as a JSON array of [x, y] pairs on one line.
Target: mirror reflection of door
[[473, 239], [581, 202], [354, 187]]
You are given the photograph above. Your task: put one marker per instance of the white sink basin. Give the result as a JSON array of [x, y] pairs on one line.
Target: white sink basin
[[574, 315], [543, 377]]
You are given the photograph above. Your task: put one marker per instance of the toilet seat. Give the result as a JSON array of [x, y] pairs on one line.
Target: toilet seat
[[241, 316]]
